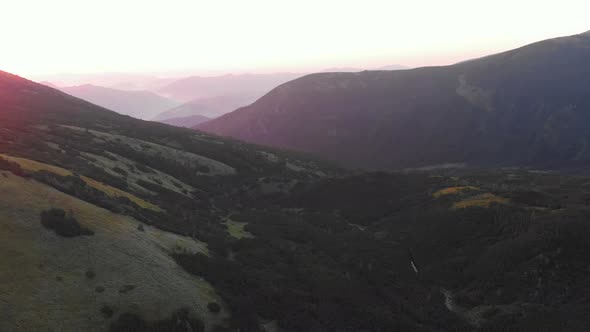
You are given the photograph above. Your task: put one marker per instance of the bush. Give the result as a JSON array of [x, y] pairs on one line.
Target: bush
[[62, 224], [90, 274], [213, 307], [120, 171], [180, 321], [106, 311], [126, 289]]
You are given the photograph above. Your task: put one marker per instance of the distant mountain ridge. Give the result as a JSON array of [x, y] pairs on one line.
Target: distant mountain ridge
[[186, 121], [210, 107], [138, 104], [354, 69], [528, 106], [197, 87]]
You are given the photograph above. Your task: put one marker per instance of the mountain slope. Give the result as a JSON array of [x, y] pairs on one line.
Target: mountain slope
[[136, 185], [528, 106], [138, 104], [113, 223], [45, 278]]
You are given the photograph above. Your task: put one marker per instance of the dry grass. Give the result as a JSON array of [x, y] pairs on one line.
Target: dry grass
[[35, 166], [483, 200], [114, 192], [453, 191]]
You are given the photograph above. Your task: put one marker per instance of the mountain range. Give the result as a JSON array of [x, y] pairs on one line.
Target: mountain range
[[211, 106], [138, 104], [528, 106], [186, 121], [112, 223], [197, 87]]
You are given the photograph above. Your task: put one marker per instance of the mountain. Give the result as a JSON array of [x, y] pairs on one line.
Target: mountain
[[137, 84], [138, 104], [211, 107], [95, 207], [527, 106], [197, 87], [110, 223], [120, 81], [186, 121]]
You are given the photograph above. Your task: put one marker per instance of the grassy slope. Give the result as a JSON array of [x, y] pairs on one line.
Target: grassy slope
[[31, 297], [35, 166]]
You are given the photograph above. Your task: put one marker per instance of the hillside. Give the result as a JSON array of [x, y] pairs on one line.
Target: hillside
[[136, 185], [138, 104], [110, 223], [528, 106], [63, 284]]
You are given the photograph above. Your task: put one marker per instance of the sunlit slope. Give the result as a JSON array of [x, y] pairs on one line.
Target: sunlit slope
[[35, 166], [43, 277], [148, 191]]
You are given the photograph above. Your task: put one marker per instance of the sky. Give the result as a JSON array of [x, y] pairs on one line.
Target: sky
[[89, 36]]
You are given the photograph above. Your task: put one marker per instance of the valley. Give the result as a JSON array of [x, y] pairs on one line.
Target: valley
[[270, 235], [452, 198]]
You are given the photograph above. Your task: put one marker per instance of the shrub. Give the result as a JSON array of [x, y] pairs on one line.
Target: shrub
[[106, 311], [64, 225], [120, 171], [126, 289], [213, 307], [90, 274], [180, 321]]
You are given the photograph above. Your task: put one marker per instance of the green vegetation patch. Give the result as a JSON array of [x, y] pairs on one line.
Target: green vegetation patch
[[36, 167], [63, 224], [237, 229]]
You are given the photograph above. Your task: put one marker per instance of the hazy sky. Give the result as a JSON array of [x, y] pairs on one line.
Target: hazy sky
[[80, 36]]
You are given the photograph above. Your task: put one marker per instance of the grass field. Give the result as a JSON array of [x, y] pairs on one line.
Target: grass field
[[35, 166], [43, 282]]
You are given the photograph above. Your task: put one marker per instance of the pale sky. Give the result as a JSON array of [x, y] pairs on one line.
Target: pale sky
[[88, 36]]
